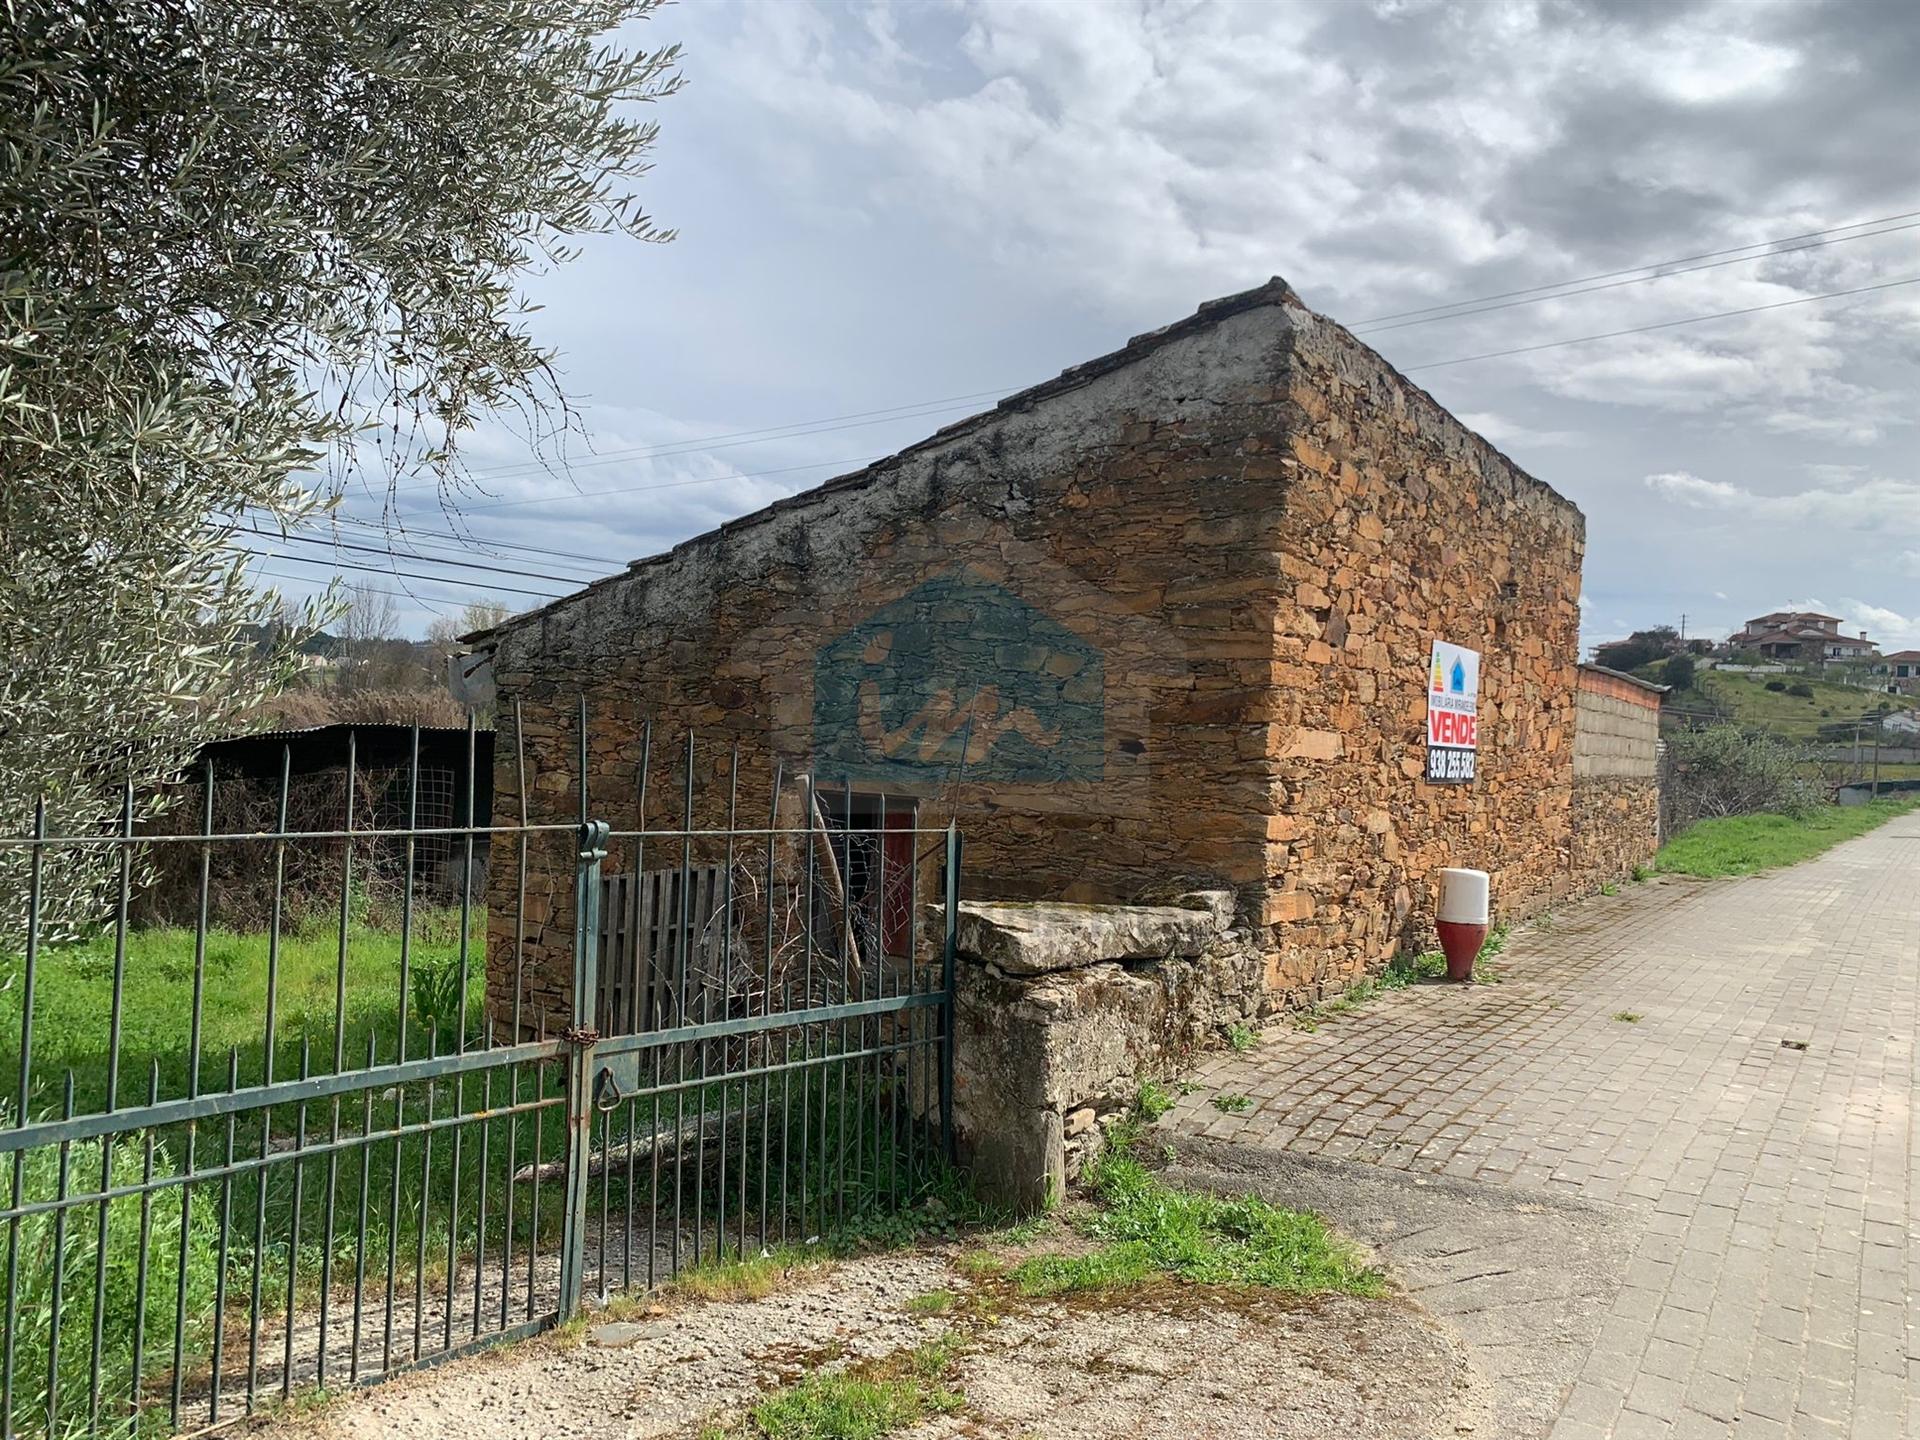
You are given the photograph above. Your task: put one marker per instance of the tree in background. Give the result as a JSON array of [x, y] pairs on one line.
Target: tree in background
[[242, 246], [1643, 647], [1678, 671]]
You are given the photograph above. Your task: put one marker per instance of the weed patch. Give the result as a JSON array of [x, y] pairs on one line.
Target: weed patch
[[1232, 1104], [753, 1278], [1150, 1228], [932, 1302], [863, 1402], [1242, 1038], [1154, 1100], [1628, 1017], [1400, 972]]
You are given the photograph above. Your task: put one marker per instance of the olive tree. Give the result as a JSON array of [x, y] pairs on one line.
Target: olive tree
[[253, 252]]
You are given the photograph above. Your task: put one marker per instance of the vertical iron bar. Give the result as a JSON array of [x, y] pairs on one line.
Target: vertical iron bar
[[59, 1267], [393, 1222], [846, 987], [23, 1097], [226, 1228], [426, 1189], [879, 987], [115, 1026], [194, 1040], [519, 951], [682, 947], [948, 952], [339, 1058], [366, 1184], [293, 1223], [400, 1043], [806, 1002], [726, 997], [146, 1237], [766, 999], [480, 1220], [643, 917], [639, 996], [460, 1038]]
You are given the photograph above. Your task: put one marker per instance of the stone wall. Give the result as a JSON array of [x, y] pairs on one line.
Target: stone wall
[[1404, 527], [1160, 623], [1062, 1010], [1616, 785]]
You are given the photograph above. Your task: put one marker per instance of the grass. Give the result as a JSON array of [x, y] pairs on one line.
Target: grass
[[1242, 1038], [931, 1302], [865, 1401], [1232, 1104], [1154, 1099], [1149, 1229], [1745, 844], [753, 1278], [1628, 1017], [74, 989], [1796, 717]]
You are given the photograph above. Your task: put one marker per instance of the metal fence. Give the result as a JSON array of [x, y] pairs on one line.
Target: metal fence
[[237, 1166]]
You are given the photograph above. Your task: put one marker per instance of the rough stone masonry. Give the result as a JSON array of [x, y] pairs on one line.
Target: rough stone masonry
[[1160, 625]]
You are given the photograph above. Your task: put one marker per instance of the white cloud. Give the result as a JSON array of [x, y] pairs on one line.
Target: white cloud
[[1880, 506]]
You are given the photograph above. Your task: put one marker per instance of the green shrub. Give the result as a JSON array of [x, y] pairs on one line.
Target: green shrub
[[1728, 771], [1801, 689], [1776, 686], [435, 1001]]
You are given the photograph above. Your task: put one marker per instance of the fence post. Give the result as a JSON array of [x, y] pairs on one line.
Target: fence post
[[580, 1037], [947, 956]]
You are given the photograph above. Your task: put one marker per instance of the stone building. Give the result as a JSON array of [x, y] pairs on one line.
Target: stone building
[[1160, 624]]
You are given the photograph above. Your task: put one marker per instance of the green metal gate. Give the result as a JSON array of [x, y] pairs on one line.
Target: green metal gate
[[244, 1160]]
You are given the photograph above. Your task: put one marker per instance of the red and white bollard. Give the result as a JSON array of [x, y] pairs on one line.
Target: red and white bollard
[[1462, 919]]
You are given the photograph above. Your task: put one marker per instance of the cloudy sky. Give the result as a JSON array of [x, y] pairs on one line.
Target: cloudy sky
[[912, 208]]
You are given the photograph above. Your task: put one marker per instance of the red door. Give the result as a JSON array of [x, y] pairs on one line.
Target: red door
[[896, 903]]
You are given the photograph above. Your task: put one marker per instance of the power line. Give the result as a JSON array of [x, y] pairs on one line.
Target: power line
[[1664, 274], [1665, 324], [1649, 265], [429, 559], [486, 543], [372, 589], [402, 574]]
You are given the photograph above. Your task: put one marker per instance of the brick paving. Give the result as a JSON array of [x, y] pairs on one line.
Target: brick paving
[[1772, 1284]]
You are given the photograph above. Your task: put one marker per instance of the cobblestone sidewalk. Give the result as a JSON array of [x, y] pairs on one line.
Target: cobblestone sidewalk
[[1730, 1062]]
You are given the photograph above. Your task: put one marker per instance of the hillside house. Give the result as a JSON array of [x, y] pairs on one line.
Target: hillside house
[[1164, 621], [1801, 635]]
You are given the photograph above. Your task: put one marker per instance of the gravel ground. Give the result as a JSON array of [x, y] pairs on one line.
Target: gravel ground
[[1164, 1360]]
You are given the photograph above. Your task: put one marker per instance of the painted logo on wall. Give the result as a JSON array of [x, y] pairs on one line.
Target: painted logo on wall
[[1453, 714], [959, 678]]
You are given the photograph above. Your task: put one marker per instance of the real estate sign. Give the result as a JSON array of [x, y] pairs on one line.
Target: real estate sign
[[1453, 714]]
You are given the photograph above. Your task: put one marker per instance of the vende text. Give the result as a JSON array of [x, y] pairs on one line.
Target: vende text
[[1450, 727]]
